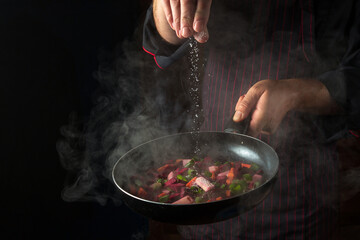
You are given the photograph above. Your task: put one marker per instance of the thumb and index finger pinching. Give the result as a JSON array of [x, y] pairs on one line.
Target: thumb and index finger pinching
[[194, 18], [201, 18]]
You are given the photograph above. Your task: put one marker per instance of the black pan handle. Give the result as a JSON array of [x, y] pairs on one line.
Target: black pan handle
[[238, 127]]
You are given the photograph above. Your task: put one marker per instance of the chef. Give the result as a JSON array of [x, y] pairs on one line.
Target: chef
[[293, 66]]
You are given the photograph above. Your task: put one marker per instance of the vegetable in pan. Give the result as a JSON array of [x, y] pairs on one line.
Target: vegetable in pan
[[197, 180]]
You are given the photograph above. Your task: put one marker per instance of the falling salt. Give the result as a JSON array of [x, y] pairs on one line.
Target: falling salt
[[194, 80]]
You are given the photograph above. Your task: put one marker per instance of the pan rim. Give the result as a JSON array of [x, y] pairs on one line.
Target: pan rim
[[270, 178]]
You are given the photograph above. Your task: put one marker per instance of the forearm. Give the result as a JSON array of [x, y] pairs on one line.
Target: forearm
[[312, 96]]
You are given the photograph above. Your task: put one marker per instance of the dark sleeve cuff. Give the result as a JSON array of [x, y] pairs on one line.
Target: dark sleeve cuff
[[343, 85], [335, 82], [334, 126], [163, 52]]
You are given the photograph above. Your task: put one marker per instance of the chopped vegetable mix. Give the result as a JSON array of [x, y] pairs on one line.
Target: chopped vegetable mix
[[197, 180]]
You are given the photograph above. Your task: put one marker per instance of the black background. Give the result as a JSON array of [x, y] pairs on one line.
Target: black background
[[48, 54]]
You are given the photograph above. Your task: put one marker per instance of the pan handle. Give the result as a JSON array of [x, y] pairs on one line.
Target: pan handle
[[238, 127]]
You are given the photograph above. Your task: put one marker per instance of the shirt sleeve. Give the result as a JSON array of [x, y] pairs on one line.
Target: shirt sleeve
[[343, 83], [163, 52]]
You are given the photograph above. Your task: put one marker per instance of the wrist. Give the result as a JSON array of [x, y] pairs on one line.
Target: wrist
[[310, 95]]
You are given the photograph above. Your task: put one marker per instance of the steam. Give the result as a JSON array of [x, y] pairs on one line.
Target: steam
[[132, 107], [118, 122]]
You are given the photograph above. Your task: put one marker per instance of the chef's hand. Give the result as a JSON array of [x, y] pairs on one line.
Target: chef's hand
[[179, 19], [270, 100]]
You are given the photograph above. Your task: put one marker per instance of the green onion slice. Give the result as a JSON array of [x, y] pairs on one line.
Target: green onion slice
[[164, 198], [190, 163]]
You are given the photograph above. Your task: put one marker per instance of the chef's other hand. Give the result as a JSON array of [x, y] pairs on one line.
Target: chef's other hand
[[185, 17], [270, 100]]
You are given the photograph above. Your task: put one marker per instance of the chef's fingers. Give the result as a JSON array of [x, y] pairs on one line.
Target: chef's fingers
[[239, 100], [202, 14], [236, 118], [258, 124], [168, 12], [202, 37], [175, 11], [244, 106], [187, 17]]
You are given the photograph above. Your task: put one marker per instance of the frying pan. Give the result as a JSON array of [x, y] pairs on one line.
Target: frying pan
[[217, 145]]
